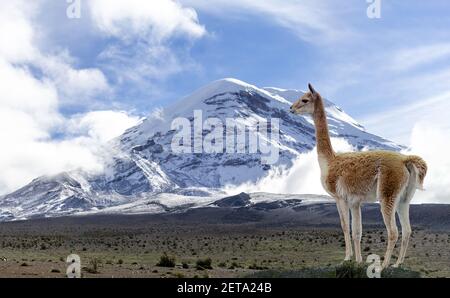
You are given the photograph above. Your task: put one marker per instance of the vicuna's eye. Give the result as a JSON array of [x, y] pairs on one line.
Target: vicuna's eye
[[305, 100]]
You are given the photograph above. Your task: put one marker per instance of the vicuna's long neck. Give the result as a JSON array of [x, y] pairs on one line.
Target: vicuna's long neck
[[324, 149]]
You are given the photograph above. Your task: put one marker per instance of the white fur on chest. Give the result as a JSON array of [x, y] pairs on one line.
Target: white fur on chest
[[323, 164]]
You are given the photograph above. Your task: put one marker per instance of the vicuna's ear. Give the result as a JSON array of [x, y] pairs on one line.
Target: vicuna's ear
[[311, 88]]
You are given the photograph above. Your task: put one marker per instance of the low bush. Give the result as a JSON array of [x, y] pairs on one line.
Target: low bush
[[203, 264], [166, 261]]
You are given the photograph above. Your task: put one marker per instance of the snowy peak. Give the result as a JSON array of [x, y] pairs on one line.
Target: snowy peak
[[220, 88], [289, 94], [230, 98], [229, 85], [226, 85], [278, 98]]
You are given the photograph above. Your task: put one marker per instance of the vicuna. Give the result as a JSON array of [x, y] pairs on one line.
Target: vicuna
[[357, 177]]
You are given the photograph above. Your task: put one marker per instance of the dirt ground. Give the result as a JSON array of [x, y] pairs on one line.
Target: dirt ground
[[115, 249]]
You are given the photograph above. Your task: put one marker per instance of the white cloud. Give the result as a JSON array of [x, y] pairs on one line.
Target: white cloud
[[101, 125], [16, 31], [28, 150], [302, 178], [31, 100], [18, 39], [75, 86], [397, 123], [140, 32], [154, 20], [28, 117], [28, 113], [432, 143], [142, 63], [23, 161], [311, 20], [33, 87], [409, 58]]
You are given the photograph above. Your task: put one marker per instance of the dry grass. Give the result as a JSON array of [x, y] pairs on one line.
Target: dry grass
[[234, 249]]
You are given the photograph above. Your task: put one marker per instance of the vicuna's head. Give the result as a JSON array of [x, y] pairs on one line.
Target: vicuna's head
[[305, 105]]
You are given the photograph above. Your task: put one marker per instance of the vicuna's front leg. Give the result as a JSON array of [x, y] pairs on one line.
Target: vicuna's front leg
[[357, 230], [342, 207]]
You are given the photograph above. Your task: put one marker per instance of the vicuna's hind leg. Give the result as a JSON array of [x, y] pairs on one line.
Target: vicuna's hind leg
[[403, 215], [343, 209], [391, 186], [388, 211]]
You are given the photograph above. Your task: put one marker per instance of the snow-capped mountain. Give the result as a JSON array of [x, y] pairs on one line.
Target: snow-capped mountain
[[144, 165]]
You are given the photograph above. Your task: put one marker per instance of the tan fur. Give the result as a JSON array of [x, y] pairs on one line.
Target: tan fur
[[356, 177], [421, 166]]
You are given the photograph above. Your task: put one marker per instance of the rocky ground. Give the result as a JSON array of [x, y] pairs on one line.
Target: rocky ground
[[239, 243]]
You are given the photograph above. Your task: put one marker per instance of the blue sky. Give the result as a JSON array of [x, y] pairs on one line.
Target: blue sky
[[74, 82]]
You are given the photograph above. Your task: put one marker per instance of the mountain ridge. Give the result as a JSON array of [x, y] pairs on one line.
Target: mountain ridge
[[143, 164]]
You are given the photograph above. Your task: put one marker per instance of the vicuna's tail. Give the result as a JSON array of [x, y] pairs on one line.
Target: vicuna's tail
[[418, 168]]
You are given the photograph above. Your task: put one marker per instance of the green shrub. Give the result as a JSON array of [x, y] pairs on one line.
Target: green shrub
[[350, 269], [234, 265], [166, 261], [255, 266], [203, 264], [94, 264], [179, 275]]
